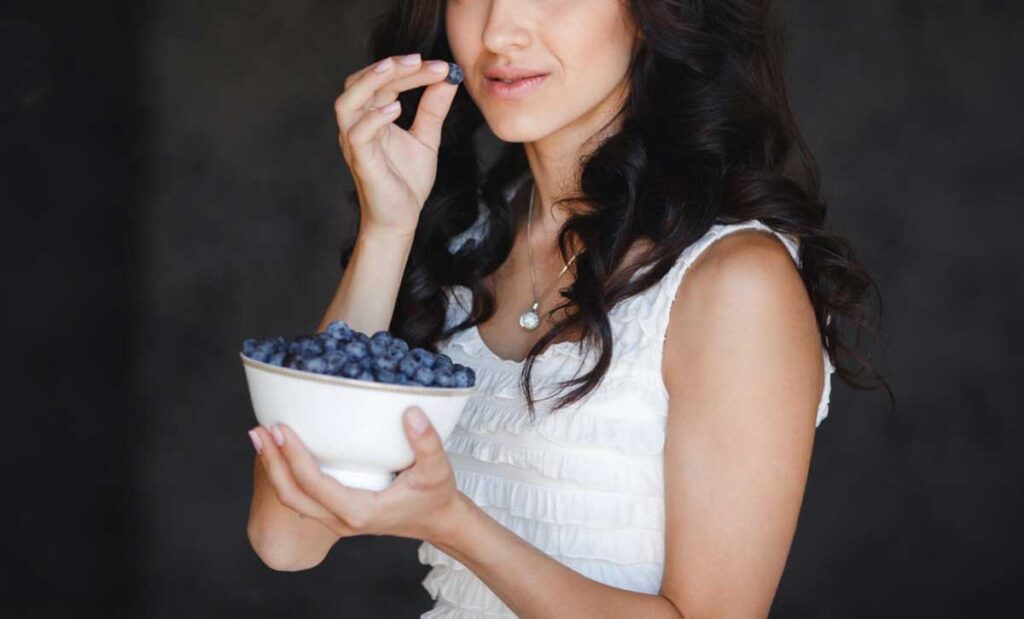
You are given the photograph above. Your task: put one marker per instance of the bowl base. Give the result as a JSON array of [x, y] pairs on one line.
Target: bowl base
[[360, 479]]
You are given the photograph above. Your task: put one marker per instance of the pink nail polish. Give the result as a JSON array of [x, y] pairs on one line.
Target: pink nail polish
[[418, 421], [256, 442], [277, 434]]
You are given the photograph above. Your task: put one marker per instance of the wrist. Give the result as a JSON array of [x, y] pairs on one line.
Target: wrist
[[454, 523], [381, 234]]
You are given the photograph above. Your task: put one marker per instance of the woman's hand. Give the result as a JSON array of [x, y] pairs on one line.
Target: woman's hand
[[420, 503], [393, 169]]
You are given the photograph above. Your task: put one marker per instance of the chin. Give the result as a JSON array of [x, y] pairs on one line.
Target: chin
[[516, 128]]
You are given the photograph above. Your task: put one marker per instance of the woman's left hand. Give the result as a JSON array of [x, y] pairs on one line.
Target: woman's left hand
[[420, 503]]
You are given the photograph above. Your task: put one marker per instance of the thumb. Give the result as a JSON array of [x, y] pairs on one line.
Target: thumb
[[434, 106], [423, 438]]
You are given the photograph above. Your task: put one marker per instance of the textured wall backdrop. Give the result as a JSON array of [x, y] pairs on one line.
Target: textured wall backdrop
[[179, 187]]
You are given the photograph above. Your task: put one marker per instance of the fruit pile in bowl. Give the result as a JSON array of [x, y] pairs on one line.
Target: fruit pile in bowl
[[344, 393]]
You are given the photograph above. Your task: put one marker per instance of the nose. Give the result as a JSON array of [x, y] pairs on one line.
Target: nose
[[504, 26]]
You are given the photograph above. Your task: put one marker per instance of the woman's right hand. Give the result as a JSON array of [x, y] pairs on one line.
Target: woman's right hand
[[393, 169]]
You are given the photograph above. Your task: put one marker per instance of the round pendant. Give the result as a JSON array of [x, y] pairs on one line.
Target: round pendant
[[529, 320]]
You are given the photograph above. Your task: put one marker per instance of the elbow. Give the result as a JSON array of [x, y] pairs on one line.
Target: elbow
[[279, 555]]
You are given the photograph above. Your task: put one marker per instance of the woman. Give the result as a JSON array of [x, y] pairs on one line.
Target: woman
[[657, 141]]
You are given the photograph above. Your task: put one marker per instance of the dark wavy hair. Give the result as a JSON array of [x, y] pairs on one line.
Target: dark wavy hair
[[707, 136]]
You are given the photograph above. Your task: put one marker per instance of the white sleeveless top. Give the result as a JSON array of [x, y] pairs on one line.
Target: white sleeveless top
[[583, 484]]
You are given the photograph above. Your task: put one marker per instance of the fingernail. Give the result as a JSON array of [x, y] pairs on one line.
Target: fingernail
[[438, 66], [383, 65], [410, 60], [418, 421], [256, 442], [390, 107], [277, 434]]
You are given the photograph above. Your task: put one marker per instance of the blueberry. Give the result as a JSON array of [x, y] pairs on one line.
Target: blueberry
[[384, 363], [280, 344], [317, 365], [335, 360], [424, 376], [397, 349], [379, 343], [278, 358], [328, 342], [249, 346], [385, 376], [443, 362], [291, 360], [454, 74], [443, 378], [423, 357], [339, 329], [405, 380], [355, 350], [263, 352], [366, 375], [408, 365], [351, 370], [462, 377]]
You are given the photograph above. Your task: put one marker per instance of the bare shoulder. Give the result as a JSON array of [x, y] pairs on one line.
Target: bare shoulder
[[742, 304]]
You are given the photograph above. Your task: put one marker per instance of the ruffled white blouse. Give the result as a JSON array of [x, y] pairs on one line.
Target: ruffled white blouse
[[583, 484]]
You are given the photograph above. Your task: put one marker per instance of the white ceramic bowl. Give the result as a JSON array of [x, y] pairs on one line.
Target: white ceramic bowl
[[352, 427]]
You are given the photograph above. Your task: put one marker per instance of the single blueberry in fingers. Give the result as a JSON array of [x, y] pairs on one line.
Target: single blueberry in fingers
[[454, 74]]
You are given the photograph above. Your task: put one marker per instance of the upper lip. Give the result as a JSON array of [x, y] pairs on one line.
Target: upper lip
[[511, 73]]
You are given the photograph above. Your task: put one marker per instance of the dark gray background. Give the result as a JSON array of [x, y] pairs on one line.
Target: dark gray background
[[172, 185]]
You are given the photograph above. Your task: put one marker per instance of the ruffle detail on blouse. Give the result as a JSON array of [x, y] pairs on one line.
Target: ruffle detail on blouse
[[461, 589], [597, 469], [562, 505], [451, 583], [445, 611], [583, 427], [826, 391]]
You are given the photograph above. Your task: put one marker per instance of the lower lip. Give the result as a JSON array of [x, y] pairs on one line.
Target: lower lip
[[515, 90]]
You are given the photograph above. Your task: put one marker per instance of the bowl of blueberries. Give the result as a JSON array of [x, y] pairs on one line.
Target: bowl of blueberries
[[344, 393]]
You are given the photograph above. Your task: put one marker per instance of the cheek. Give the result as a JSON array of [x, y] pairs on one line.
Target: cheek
[[590, 43]]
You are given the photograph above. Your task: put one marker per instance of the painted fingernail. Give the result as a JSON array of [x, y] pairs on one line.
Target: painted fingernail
[[383, 65], [437, 66], [390, 107], [277, 434], [256, 442], [417, 420], [454, 73], [410, 60]]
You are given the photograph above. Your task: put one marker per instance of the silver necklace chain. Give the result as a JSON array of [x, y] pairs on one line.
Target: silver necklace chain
[[530, 319]]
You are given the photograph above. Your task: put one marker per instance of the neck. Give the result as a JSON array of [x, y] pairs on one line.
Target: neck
[[554, 160]]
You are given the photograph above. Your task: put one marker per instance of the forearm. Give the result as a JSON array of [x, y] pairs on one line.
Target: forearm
[[282, 540], [531, 583], [366, 295]]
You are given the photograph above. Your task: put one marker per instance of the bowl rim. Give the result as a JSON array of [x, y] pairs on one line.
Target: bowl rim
[[353, 382]]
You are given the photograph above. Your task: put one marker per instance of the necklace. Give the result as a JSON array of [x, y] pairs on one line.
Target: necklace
[[529, 319]]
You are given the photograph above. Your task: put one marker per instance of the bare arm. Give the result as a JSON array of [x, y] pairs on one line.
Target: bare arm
[[366, 295]]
